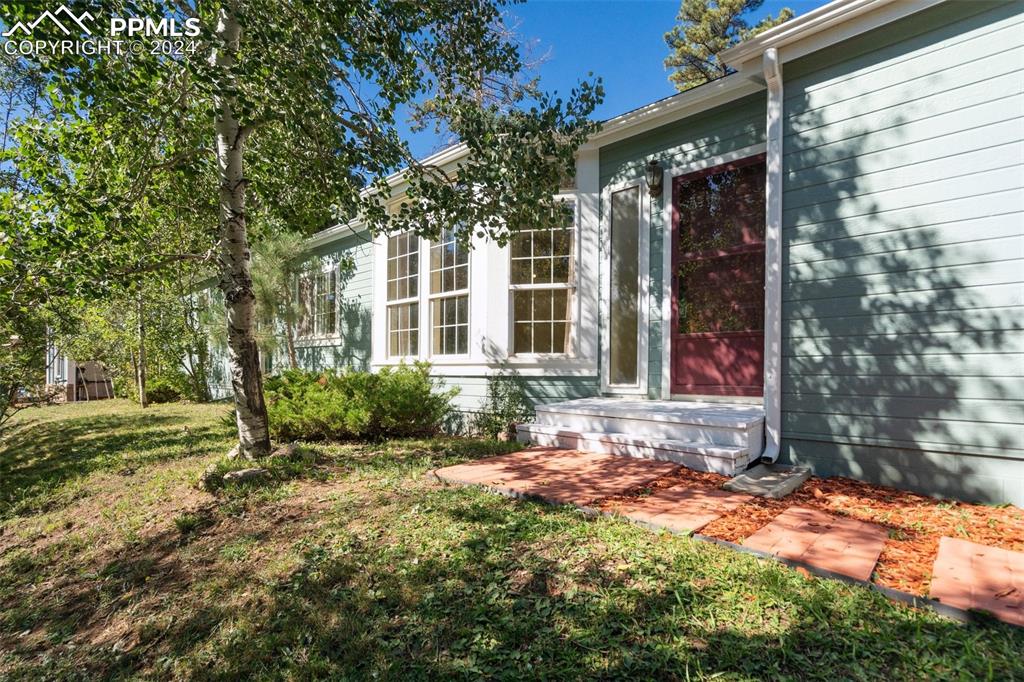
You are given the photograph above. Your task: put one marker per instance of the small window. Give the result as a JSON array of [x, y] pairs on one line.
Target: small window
[[542, 283], [403, 266], [326, 303], [624, 283], [449, 293], [403, 310], [306, 290], [403, 329], [318, 302], [449, 265]]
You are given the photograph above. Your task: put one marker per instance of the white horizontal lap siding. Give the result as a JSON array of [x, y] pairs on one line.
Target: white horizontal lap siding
[[903, 234]]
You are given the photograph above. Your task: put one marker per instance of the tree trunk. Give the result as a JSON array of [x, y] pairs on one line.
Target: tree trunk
[[235, 276], [140, 367]]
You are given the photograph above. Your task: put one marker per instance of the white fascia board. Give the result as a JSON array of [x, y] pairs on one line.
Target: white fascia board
[[443, 158], [331, 234], [821, 27], [633, 123], [672, 109], [636, 122]]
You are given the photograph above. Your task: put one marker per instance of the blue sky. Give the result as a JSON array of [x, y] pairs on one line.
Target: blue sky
[[620, 40]]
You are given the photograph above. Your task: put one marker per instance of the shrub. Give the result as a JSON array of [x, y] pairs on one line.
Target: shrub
[[505, 405], [160, 390], [394, 403]]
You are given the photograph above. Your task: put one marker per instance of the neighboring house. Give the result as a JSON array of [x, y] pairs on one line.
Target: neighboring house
[[823, 265], [76, 381]]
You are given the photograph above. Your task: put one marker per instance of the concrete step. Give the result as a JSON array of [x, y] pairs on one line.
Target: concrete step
[[773, 481], [692, 422], [724, 459]]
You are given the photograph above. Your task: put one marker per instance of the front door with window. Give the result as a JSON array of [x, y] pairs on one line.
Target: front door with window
[[718, 280]]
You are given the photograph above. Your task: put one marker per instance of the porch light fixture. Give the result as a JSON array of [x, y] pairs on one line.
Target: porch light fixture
[[654, 178]]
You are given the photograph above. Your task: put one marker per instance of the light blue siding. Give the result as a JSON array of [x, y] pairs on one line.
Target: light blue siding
[[539, 390], [351, 348], [903, 358], [712, 133]]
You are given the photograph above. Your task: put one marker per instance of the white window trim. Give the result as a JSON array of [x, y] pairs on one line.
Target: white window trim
[[489, 300], [669, 175], [572, 286], [643, 317]]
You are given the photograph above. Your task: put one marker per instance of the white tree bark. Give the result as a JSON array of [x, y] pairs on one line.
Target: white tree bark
[[140, 368], [236, 279]]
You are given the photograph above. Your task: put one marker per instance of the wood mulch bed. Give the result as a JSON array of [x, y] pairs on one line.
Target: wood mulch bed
[[915, 522]]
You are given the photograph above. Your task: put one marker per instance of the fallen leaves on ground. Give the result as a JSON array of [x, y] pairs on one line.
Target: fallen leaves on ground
[[915, 522]]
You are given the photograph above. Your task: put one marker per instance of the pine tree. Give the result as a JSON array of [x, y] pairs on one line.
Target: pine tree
[[706, 27]]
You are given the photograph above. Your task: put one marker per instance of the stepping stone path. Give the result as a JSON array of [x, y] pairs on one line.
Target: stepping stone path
[[839, 545], [972, 576], [965, 575], [682, 510], [559, 476]]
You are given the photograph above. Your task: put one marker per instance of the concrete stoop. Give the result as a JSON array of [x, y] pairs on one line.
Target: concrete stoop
[[719, 437]]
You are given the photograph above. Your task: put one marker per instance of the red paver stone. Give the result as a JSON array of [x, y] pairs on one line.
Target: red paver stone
[[972, 576], [563, 476], [840, 545], [683, 509]]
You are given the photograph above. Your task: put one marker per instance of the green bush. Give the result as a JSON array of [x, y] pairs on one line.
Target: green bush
[[161, 390], [394, 403], [505, 406]]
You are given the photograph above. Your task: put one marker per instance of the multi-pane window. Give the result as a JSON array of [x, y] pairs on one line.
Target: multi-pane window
[[403, 295], [542, 278], [318, 300], [326, 309], [451, 325], [449, 295]]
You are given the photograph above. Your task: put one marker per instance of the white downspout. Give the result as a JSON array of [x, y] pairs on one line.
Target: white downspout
[[773, 260]]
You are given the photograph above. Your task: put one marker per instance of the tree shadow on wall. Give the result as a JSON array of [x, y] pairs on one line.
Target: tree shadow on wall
[[895, 304], [352, 348]]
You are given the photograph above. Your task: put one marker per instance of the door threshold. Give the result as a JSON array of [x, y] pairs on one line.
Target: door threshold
[[733, 399]]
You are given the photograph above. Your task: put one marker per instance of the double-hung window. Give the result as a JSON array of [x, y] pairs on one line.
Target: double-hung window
[[449, 295], [318, 299], [403, 308], [542, 279]]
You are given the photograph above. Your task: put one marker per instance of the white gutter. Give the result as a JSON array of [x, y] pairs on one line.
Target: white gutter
[[626, 125], [811, 30], [773, 259], [671, 109], [800, 27], [323, 236], [442, 158]]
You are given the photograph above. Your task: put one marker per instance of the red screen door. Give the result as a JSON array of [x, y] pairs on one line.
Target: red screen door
[[718, 283]]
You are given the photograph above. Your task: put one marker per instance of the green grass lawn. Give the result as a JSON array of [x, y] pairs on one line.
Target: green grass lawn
[[114, 564]]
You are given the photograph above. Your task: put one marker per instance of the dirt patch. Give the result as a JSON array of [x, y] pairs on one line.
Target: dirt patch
[[121, 595], [914, 522]]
